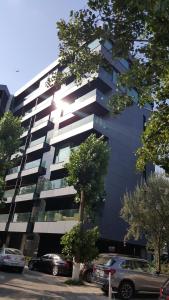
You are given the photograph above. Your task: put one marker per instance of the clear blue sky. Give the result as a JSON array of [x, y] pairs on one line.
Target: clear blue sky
[[29, 38]]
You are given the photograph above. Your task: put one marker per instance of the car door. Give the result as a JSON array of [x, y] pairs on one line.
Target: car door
[[43, 262], [156, 281], [145, 280], [141, 276]]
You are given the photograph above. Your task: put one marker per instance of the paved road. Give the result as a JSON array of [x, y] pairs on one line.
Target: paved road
[[38, 286]]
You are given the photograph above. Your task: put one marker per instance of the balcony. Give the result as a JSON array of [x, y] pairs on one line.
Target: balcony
[[57, 166], [58, 215], [34, 167], [19, 153], [19, 222], [59, 221], [39, 108], [42, 125], [32, 96], [57, 188], [62, 158], [12, 173], [91, 102], [90, 123], [9, 195], [26, 193], [3, 221], [24, 134], [38, 145]]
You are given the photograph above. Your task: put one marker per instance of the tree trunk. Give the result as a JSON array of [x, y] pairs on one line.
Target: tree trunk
[[81, 208], [76, 266], [76, 271], [158, 255]]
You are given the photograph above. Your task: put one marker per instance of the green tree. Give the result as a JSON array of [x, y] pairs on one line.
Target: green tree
[[139, 30], [86, 170], [10, 131], [80, 245], [146, 210]]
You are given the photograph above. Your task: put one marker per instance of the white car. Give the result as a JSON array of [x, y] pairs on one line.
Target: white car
[[12, 258]]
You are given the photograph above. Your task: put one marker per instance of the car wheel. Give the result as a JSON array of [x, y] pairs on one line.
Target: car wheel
[[55, 270], [31, 266], [88, 276], [105, 289], [126, 290]]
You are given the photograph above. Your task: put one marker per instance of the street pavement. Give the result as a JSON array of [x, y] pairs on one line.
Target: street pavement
[[39, 286]]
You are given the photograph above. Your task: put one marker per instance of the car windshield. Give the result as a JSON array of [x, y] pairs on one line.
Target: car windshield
[[13, 251]]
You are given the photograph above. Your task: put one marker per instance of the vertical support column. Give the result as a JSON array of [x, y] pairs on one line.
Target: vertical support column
[[22, 246], [7, 240]]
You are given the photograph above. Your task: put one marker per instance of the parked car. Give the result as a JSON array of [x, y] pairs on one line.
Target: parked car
[[52, 263], [86, 272], [12, 259], [164, 291], [129, 275]]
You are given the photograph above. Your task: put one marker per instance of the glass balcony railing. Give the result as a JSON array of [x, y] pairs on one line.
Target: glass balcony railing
[[42, 105], [37, 142], [29, 111], [27, 189], [3, 218], [14, 170], [64, 154], [58, 215], [21, 217], [45, 119], [32, 164], [54, 184], [74, 125], [9, 193]]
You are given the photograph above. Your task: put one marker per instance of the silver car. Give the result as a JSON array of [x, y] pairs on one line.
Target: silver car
[[11, 258], [129, 275]]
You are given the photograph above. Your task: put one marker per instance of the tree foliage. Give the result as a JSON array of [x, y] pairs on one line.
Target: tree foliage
[[80, 245], [146, 210], [10, 131], [139, 30], [86, 170]]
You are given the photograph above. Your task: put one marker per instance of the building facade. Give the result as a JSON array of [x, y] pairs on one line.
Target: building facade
[[5, 99], [40, 207]]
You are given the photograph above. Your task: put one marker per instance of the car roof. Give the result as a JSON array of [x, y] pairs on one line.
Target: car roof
[[10, 248], [122, 256]]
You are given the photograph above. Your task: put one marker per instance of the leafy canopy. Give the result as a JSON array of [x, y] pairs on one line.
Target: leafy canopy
[[10, 131], [138, 29], [146, 211], [80, 244], [86, 170]]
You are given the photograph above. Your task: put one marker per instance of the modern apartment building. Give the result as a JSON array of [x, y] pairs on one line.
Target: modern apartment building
[[40, 207], [5, 99]]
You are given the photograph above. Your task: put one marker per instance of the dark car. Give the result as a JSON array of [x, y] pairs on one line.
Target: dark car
[[164, 291], [51, 263]]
